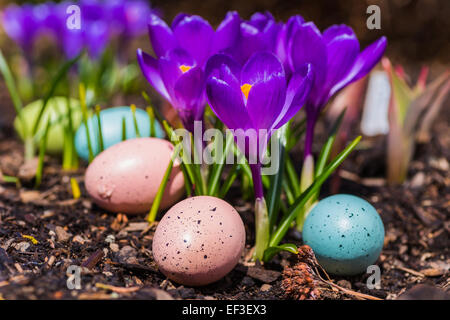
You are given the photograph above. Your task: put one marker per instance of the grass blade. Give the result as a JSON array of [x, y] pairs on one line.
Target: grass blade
[[232, 175], [42, 149], [155, 205], [13, 92], [84, 111], [124, 129], [100, 131], [136, 127], [306, 195], [326, 149], [274, 193], [56, 80], [151, 118], [218, 168]]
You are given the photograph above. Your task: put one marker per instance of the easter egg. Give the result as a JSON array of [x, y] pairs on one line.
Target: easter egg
[[198, 241], [125, 178], [346, 234], [111, 123], [56, 111]]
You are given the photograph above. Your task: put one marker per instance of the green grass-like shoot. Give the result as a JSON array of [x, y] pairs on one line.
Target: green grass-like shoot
[[151, 118], [124, 129], [84, 111], [42, 149], [136, 127], [156, 203], [100, 131], [285, 224]]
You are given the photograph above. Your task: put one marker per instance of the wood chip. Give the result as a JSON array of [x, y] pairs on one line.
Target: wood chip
[[121, 290], [261, 274]]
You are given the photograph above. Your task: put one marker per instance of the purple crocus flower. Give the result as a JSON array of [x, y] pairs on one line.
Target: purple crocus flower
[[284, 40], [337, 61], [259, 33], [256, 97], [21, 24], [182, 50], [130, 16]]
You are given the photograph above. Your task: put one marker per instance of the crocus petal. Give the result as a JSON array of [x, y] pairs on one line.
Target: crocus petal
[[284, 38], [227, 103], [169, 68], [161, 36], [260, 19], [342, 52], [307, 46], [227, 32], [190, 98], [266, 100], [195, 35], [179, 17], [215, 68], [150, 70], [296, 94], [366, 60], [262, 66], [336, 31], [96, 38]]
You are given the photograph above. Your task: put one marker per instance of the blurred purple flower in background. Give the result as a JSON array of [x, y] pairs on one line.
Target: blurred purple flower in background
[[101, 21], [21, 23], [336, 59], [182, 51]]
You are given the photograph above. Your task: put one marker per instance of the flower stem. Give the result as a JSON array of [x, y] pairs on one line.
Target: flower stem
[[309, 137], [261, 215], [29, 147]]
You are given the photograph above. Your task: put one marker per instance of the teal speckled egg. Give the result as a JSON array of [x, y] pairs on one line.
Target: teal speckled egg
[[111, 123], [346, 234]]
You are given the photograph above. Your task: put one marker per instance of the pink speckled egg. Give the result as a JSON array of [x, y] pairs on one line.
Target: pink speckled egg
[[125, 177], [198, 241]]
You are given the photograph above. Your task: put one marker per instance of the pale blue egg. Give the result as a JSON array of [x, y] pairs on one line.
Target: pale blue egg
[[346, 234], [111, 123]]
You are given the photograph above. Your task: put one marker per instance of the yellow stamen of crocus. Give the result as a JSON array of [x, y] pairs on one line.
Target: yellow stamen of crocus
[[184, 68], [245, 88]]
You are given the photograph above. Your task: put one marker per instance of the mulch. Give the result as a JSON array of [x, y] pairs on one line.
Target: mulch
[[44, 231]]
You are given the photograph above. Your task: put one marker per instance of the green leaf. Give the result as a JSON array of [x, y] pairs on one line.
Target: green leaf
[[136, 127], [274, 193], [292, 176], [217, 169], [84, 112], [271, 251], [42, 149], [10, 84], [56, 80], [100, 131], [124, 129], [326, 149], [229, 180], [156, 203], [308, 193]]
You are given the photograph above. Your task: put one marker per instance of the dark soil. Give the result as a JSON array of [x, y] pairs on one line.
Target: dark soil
[[115, 250]]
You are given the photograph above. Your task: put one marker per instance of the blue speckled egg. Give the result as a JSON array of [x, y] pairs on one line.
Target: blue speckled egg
[[346, 234], [111, 122]]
